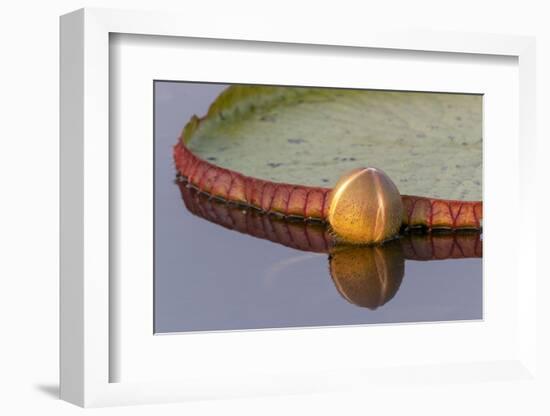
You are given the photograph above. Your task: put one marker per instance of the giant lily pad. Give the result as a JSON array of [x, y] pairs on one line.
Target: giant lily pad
[[430, 144]]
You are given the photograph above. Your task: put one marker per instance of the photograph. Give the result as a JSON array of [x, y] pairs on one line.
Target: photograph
[[301, 206]]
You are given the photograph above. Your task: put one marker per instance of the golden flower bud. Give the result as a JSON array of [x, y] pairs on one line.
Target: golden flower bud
[[365, 207]]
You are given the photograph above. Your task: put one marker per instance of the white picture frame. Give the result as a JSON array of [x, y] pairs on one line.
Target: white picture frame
[[88, 304]]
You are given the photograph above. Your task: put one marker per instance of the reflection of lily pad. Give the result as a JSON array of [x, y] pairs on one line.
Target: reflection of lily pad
[[428, 143]]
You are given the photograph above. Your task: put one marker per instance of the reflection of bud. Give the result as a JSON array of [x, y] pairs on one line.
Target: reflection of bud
[[367, 276], [365, 207]]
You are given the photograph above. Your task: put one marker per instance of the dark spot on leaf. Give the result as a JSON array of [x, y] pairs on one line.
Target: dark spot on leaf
[[458, 118], [352, 159], [477, 182], [336, 158], [464, 144], [268, 117], [296, 141], [212, 158], [274, 165], [324, 180], [458, 166]]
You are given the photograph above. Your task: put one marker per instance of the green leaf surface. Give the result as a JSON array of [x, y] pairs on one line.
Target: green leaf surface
[[430, 144]]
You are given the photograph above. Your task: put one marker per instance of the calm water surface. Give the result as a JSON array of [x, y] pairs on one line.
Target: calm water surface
[[208, 277]]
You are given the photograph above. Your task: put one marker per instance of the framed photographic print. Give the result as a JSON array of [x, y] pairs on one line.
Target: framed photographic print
[[271, 214]]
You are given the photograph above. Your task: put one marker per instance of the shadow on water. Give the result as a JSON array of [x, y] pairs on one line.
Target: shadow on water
[[366, 276]]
